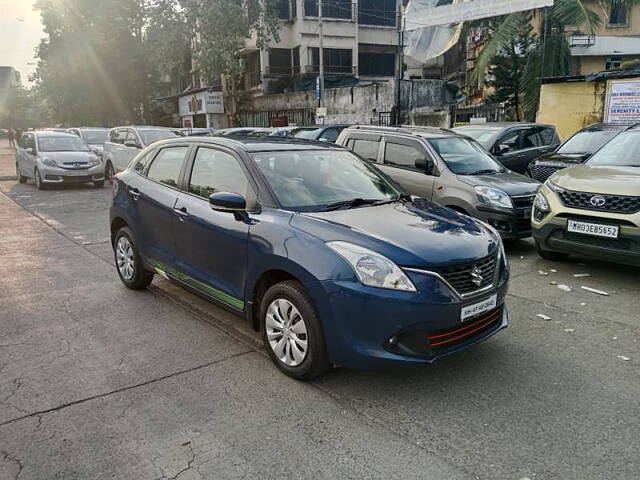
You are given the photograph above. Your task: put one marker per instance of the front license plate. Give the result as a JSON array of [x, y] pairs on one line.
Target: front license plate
[[478, 308], [594, 229]]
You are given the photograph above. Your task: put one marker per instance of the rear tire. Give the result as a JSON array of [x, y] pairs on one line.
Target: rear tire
[[21, 178], [128, 261], [292, 332], [549, 255]]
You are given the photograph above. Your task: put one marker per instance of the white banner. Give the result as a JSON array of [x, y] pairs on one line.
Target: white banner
[[623, 106], [201, 102], [469, 10]]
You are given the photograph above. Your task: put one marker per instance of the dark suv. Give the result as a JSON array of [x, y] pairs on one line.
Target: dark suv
[[450, 169], [315, 247], [515, 145]]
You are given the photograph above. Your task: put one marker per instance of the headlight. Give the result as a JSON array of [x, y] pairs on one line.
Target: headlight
[[541, 203], [49, 162], [494, 197], [94, 162], [372, 268]]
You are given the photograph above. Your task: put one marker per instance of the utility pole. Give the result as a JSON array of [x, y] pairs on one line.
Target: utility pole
[[321, 54], [400, 63]]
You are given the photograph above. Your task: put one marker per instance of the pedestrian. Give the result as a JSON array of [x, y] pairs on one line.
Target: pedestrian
[[10, 134]]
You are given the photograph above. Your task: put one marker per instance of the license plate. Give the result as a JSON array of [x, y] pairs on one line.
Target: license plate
[[594, 229], [478, 308]]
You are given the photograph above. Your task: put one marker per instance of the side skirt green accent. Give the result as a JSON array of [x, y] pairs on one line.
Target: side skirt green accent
[[172, 273]]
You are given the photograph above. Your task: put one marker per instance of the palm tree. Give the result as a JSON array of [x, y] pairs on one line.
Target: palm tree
[[550, 54]]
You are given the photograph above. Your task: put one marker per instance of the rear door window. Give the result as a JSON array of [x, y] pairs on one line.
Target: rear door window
[[367, 149], [401, 155], [511, 140], [548, 136], [132, 137], [532, 138], [167, 164]]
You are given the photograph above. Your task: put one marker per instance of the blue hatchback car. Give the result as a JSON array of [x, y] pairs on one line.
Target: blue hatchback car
[[314, 246]]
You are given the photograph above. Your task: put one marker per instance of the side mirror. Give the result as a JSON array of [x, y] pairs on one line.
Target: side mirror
[[502, 149], [131, 143], [425, 165], [227, 202]]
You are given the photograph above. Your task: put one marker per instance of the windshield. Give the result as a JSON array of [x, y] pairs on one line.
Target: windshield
[[464, 156], [95, 137], [308, 133], [622, 151], [482, 135], [150, 136], [587, 142], [315, 180], [65, 143]]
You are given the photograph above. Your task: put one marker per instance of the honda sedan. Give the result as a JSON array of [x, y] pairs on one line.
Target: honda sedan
[[313, 246]]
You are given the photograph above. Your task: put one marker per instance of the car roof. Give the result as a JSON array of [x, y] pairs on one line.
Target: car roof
[[502, 125], [255, 144], [599, 127], [50, 133], [143, 127], [89, 128]]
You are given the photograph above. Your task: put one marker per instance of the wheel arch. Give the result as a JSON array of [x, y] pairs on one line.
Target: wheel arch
[[116, 224]]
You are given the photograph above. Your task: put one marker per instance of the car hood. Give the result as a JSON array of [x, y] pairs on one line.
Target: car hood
[[606, 180], [97, 147], [412, 234], [68, 157], [510, 182], [563, 157]]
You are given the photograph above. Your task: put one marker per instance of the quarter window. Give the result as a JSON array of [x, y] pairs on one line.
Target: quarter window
[[367, 149], [216, 171], [141, 164], [404, 156], [167, 164]]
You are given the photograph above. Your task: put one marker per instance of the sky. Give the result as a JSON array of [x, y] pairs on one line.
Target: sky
[[20, 33]]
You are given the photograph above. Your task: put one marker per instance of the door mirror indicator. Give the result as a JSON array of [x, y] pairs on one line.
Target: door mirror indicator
[[425, 165], [227, 202]]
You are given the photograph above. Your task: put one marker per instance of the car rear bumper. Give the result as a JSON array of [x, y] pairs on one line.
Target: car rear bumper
[[374, 328]]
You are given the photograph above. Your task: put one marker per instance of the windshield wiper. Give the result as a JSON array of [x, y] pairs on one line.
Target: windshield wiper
[[356, 202], [486, 171]]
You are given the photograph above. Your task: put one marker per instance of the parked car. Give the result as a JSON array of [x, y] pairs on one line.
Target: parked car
[[282, 131], [94, 136], [238, 131], [450, 169], [53, 158], [574, 151], [515, 145], [316, 248], [593, 209], [194, 132], [322, 133], [124, 143]]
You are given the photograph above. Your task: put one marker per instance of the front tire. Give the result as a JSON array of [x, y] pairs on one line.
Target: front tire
[[549, 255], [292, 332], [109, 172], [38, 180], [129, 263], [21, 178]]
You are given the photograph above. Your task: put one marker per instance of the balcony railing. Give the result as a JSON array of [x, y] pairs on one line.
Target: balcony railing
[[332, 69]]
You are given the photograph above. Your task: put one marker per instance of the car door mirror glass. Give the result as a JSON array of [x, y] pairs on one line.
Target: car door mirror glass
[[424, 165], [502, 149], [227, 202]]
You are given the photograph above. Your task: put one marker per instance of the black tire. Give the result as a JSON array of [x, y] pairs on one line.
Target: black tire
[[316, 361], [21, 178], [140, 278], [109, 172], [549, 255], [38, 180], [99, 184]]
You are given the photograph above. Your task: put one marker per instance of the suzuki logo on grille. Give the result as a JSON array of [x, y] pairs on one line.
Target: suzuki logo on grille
[[476, 276], [597, 201]]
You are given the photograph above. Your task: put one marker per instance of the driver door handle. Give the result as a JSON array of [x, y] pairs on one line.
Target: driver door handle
[[181, 212], [135, 193]]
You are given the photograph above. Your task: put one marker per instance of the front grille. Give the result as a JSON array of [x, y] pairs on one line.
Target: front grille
[[525, 202], [78, 178], [461, 279], [466, 332], [541, 172], [612, 203], [621, 244]]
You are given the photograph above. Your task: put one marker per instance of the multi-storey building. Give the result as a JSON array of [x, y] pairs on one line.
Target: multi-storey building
[[360, 41]]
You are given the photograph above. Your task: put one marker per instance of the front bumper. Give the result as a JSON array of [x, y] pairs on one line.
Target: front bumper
[[63, 175], [374, 328]]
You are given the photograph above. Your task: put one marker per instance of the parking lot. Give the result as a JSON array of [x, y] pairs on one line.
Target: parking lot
[[97, 381]]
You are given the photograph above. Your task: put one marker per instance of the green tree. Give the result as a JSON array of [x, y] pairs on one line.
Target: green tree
[[549, 54]]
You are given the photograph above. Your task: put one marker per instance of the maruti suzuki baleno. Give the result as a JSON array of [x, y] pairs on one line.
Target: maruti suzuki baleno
[[318, 249]]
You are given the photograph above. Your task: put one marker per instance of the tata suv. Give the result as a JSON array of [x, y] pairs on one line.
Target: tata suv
[[315, 247], [593, 209], [450, 169]]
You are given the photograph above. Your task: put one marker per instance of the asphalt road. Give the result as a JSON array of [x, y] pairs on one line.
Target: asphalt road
[[97, 381]]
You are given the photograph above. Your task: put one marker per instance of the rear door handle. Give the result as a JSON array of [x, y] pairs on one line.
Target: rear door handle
[[135, 193], [181, 212]]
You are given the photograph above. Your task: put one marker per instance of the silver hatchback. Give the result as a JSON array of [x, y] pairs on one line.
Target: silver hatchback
[[54, 158]]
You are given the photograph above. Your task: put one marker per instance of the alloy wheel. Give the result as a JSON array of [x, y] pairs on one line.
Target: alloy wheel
[[125, 258], [286, 332]]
